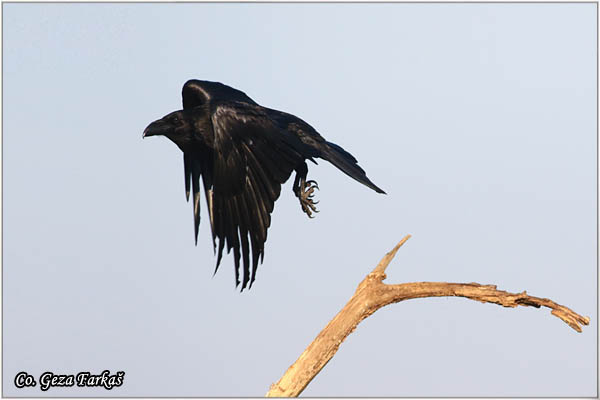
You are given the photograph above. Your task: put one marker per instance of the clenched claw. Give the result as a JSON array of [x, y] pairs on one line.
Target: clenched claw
[[306, 197], [312, 183]]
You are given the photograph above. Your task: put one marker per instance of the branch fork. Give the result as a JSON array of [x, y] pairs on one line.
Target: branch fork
[[372, 294]]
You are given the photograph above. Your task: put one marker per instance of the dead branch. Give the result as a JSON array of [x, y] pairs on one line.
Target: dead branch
[[372, 294]]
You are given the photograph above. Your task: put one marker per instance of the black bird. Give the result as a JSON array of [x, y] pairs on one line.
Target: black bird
[[244, 153]]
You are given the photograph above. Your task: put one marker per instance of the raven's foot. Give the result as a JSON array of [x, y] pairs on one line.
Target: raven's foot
[[306, 195]]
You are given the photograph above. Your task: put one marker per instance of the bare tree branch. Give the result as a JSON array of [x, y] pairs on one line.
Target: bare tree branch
[[372, 294]]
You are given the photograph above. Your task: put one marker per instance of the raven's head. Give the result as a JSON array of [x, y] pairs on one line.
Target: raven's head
[[174, 126]]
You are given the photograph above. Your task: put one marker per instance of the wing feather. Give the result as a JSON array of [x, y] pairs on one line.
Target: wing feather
[[187, 171], [242, 171], [252, 158], [233, 241], [196, 172], [261, 214], [244, 230]]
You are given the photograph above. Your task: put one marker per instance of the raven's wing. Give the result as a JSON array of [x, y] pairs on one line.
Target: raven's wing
[[252, 157], [321, 148]]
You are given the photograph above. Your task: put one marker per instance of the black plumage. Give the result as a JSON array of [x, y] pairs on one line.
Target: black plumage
[[244, 153]]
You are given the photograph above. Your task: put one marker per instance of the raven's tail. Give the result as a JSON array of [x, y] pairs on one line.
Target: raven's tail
[[347, 164]]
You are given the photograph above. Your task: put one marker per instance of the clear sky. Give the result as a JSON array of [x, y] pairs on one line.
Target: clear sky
[[479, 120]]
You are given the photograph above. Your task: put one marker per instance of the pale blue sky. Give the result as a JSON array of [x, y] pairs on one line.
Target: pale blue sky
[[479, 120]]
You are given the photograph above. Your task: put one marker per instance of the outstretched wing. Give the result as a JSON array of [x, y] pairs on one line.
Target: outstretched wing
[[329, 151], [251, 158]]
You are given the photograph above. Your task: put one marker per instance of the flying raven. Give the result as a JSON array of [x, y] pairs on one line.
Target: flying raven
[[244, 153]]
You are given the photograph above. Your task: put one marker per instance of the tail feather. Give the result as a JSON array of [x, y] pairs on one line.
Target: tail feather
[[347, 164]]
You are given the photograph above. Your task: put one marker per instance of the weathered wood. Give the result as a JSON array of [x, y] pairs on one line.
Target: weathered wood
[[372, 294]]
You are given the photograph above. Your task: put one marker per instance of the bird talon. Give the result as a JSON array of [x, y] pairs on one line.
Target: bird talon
[[306, 195], [306, 207], [312, 184]]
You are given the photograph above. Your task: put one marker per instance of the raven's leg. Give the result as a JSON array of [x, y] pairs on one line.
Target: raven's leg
[[304, 189]]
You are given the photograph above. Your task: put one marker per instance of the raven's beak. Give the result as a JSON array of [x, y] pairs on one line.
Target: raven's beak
[[156, 128]]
